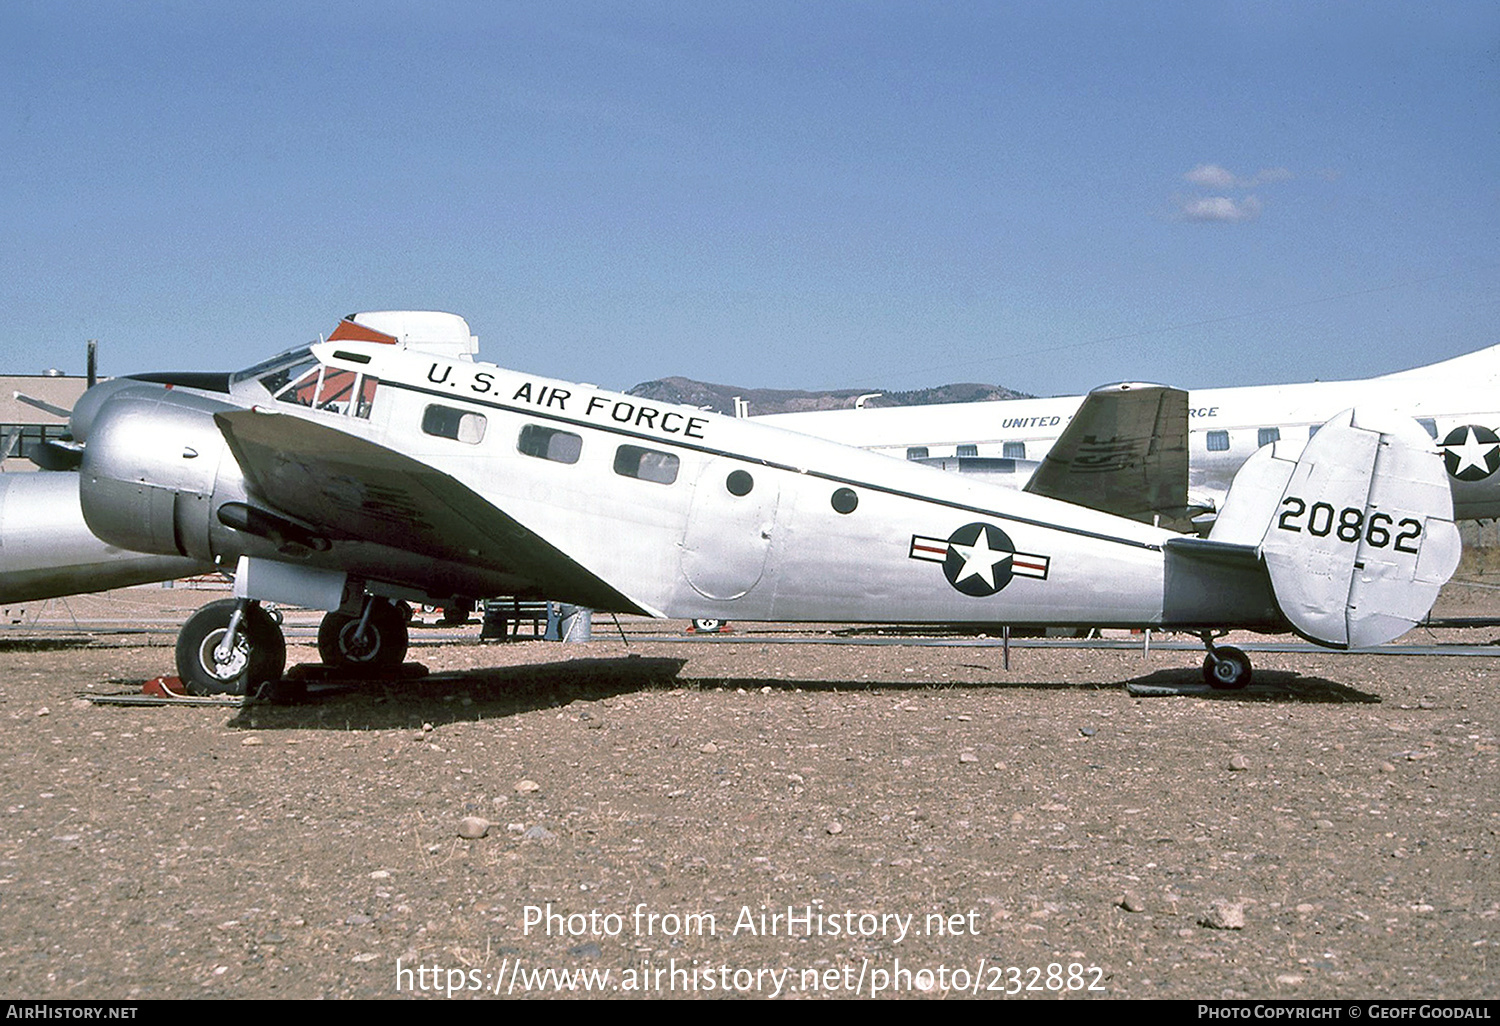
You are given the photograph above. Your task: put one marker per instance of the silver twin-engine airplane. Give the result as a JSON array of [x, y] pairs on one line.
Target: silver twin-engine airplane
[[386, 464]]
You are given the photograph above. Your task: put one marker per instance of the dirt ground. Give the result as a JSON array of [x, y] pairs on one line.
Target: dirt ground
[[757, 818]]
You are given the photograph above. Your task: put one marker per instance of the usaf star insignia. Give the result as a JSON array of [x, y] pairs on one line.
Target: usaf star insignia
[[979, 559], [1472, 453]]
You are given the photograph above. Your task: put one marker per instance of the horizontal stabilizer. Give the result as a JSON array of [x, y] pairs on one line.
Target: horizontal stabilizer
[[1356, 532]]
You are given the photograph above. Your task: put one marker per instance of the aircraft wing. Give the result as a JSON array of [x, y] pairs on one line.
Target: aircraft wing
[[1124, 452], [351, 489]]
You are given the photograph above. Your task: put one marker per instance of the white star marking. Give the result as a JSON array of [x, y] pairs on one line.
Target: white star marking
[[1471, 453], [980, 560]]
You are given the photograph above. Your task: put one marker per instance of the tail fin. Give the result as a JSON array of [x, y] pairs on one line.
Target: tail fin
[[1356, 532]]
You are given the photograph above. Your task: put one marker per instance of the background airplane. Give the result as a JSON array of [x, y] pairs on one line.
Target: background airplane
[[385, 464], [1148, 452]]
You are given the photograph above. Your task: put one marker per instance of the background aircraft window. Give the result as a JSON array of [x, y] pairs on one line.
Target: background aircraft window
[[1218, 441], [739, 483], [1265, 436], [1429, 425], [1013, 450], [459, 425], [646, 464], [844, 500], [550, 444], [1313, 430], [967, 449], [916, 452]]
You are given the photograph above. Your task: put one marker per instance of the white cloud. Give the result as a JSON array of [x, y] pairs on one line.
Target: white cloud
[[1219, 209], [1212, 176], [1215, 176]]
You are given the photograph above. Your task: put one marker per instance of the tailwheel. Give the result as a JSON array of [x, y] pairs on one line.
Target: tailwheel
[[380, 645], [708, 625], [229, 647], [1226, 667]]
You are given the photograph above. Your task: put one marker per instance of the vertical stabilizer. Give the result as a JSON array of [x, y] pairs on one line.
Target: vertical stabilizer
[[1356, 533]]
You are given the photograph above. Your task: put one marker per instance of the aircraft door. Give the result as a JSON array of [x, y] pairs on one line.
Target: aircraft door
[[729, 528]]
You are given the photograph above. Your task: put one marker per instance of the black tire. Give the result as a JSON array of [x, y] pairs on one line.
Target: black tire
[[383, 647], [1229, 671], [708, 625], [259, 654]]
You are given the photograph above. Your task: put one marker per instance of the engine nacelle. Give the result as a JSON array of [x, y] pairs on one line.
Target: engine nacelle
[[154, 468], [46, 549]]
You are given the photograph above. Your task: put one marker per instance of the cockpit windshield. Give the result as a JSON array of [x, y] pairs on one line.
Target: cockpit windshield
[[287, 358], [297, 377]]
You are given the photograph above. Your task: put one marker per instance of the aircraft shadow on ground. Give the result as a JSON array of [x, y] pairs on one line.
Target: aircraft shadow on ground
[[496, 692], [1267, 686], [460, 696]]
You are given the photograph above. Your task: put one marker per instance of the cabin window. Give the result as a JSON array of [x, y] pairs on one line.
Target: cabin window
[[646, 464], [459, 425], [1313, 430], [739, 482], [1266, 436], [967, 449], [844, 500], [916, 452], [1013, 450], [1429, 425], [550, 444], [1218, 441]]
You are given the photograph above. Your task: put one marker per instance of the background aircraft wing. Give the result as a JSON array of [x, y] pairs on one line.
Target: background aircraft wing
[[348, 488], [1124, 452]]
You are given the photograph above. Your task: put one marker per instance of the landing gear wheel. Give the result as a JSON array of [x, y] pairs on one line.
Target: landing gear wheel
[[258, 655], [1226, 668], [382, 647], [708, 626]]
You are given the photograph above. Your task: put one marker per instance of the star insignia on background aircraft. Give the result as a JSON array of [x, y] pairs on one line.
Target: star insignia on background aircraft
[[1472, 453], [979, 559]]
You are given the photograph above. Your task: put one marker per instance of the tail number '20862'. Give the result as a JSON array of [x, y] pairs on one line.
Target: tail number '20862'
[[1349, 524]]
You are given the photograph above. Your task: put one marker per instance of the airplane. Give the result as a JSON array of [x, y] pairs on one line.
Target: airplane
[[385, 464], [1167, 455]]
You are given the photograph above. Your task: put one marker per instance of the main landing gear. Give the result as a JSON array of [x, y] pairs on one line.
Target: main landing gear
[[377, 639], [233, 646], [1225, 667], [227, 646]]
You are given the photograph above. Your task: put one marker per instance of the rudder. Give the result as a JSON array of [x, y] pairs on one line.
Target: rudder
[[1360, 537]]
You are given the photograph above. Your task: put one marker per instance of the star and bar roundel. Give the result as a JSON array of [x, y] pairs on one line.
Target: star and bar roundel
[[979, 559], [1471, 452]]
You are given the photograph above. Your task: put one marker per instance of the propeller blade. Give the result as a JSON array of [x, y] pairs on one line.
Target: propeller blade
[[57, 455], [42, 404]]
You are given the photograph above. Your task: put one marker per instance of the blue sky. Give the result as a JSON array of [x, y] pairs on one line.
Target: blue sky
[[820, 194]]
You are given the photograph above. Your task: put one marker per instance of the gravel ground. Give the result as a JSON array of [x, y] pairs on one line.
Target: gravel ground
[[1329, 832]]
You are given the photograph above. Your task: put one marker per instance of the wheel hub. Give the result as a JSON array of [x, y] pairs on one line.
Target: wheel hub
[[228, 668]]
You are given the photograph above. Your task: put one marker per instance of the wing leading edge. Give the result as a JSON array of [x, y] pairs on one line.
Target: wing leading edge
[[352, 489]]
